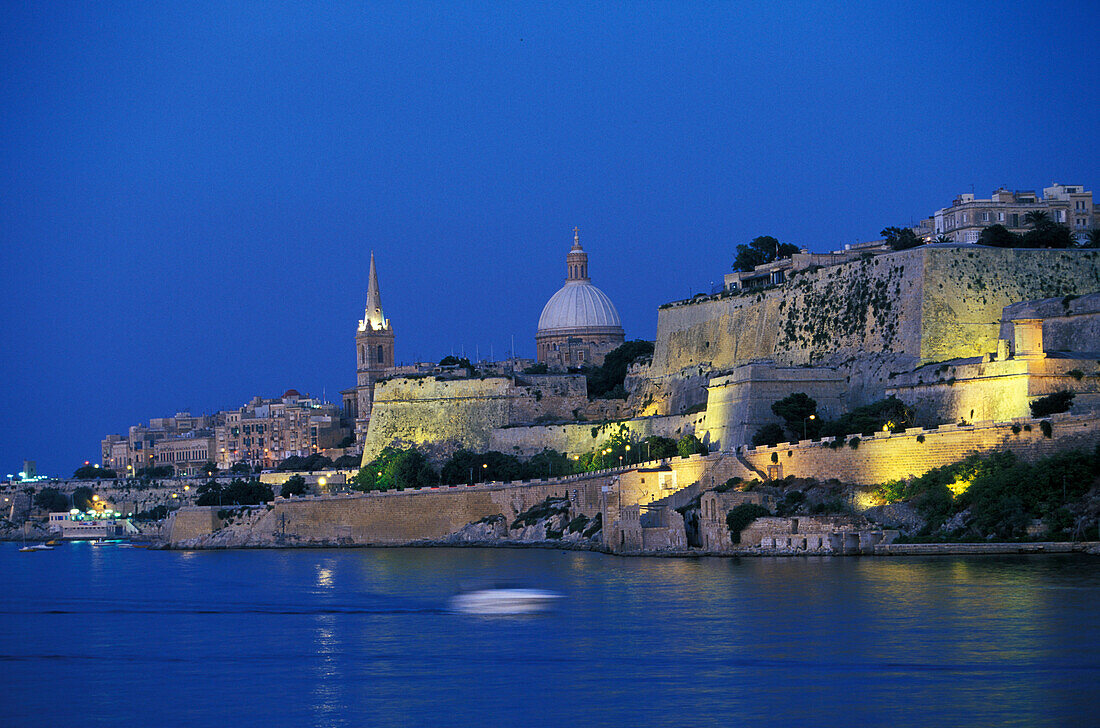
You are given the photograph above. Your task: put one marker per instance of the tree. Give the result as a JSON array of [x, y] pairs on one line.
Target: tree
[[1052, 404], [1038, 219], [92, 472], [656, 447], [238, 493], [691, 445], [347, 462], [901, 238], [209, 469], [796, 411], [887, 414], [395, 468], [241, 467], [294, 485], [608, 378], [82, 498], [1092, 239], [998, 236], [540, 368], [770, 435], [941, 238], [761, 250], [741, 516], [51, 500]]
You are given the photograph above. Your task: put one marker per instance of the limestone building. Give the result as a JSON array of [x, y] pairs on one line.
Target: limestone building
[[374, 353], [964, 220], [579, 325]]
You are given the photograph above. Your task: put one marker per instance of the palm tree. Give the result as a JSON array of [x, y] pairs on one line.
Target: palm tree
[[1092, 238], [941, 238], [1038, 219]]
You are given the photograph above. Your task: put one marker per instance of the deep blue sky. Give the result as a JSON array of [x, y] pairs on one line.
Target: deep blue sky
[[190, 192]]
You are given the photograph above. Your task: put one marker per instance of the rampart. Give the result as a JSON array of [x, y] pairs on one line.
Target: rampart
[[441, 416], [888, 456], [580, 437], [871, 317]]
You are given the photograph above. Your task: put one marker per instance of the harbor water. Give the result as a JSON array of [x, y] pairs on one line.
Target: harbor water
[[108, 636]]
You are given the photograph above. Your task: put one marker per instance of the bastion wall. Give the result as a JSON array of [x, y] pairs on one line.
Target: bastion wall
[[888, 456], [869, 318], [441, 416], [581, 437]]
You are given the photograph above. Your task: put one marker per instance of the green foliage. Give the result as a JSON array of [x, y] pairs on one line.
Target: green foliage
[[295, 485], [51, 500], [691, 445], [998, 236], [209, 469], [156, 513], [761, 250], [577, 524], [156, 471], [82, 498], [346, 462], [1052, 404], [901, 238], [1093, 238], [91, 472], [606, 380], [834, 505], [594, 526], [656, 447], [1002, 502], [1044, 233], [790, 504], [920, 437], [728, 485], [796, 410], [890, 414], [394, 468], [539, 368], [1046, 427], [1076, 374], [770, 435], [299, 464], [454, 361], [241, 468], [741, 516], [853, 443], [238, 493]]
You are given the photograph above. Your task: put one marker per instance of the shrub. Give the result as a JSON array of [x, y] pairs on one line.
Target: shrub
[[890, 413], [577, 524], [594, 527], [729, 484], [51, 500], [770, 435], [920, 437], [853, 443], [741, 516], [1052, 404], [1016, 429], [1076, 374], [691, 445], [1046, 428], [295, 485], [790, 504], [775, 457]]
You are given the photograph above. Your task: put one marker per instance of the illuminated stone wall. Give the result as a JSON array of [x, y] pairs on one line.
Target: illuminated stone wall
[[870, 319], [582, 437], [887, 456], [441, 416]]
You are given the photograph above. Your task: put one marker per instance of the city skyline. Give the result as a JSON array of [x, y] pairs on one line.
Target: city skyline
[[193, 229]]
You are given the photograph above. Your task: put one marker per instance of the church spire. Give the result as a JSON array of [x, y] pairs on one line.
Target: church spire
[[373, 317], [576, 261]]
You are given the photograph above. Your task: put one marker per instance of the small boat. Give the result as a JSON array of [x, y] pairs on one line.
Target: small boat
[[504, 601], [37, 547]]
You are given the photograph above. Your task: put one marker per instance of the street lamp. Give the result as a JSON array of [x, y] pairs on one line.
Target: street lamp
[[804, 421]]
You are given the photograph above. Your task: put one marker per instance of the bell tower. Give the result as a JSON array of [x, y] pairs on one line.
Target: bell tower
[[374, 352]]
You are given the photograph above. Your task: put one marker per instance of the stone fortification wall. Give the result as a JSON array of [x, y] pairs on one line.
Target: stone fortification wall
[[392, 518], [1069, 323], [888, 456], [995, 390], [871, 317], [441, 416], [581, 437]]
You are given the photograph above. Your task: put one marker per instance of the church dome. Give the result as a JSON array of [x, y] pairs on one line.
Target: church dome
[[578, 304]]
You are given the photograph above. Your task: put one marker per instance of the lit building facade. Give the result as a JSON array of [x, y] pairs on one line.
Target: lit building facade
[[964, 220]]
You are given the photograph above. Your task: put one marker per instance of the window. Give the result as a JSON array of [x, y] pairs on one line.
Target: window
[[985, 217], [381, 355], [1000, 217]]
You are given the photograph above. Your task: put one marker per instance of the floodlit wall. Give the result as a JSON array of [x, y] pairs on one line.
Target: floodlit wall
[[887, 456]]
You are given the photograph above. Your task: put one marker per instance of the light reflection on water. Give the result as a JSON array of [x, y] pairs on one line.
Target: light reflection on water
[[364, 637]]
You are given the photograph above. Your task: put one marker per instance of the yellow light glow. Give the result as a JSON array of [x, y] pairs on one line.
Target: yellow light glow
[[958, 487], [321, 481], [95, 497]]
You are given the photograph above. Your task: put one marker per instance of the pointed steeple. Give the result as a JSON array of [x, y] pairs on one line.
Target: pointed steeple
[[373, 317]]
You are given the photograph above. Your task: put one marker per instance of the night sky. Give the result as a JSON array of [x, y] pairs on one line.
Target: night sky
[[190, 192]]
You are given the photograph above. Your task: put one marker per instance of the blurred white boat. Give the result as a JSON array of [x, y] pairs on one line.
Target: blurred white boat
[[504, 601]]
